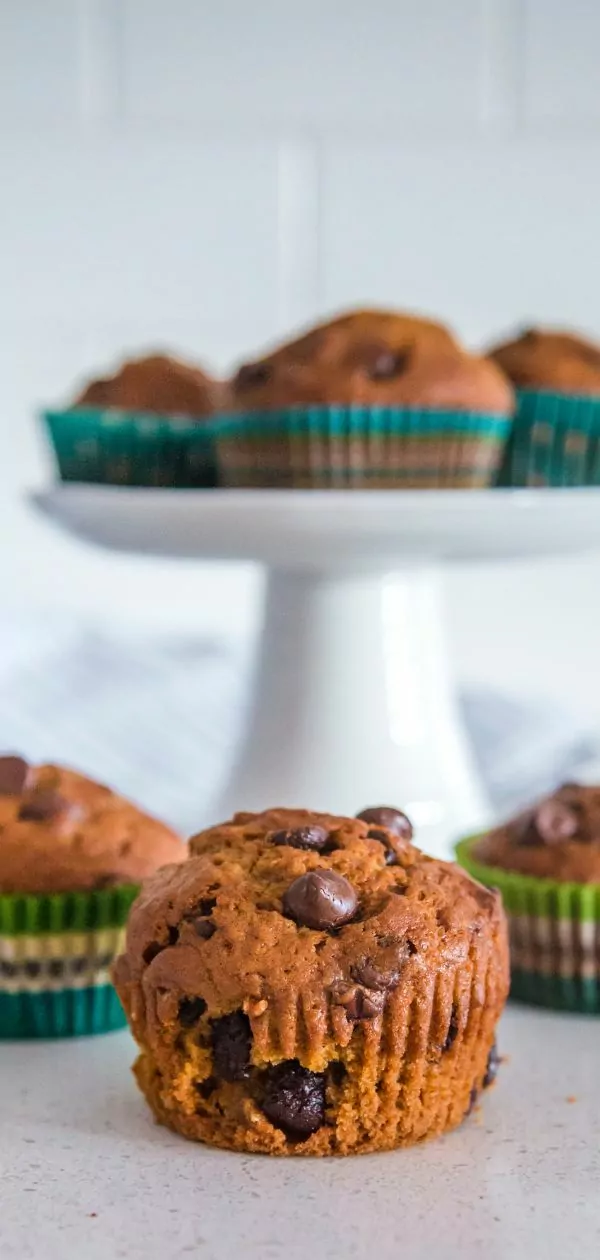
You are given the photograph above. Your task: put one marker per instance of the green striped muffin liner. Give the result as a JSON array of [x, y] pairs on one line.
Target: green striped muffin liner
[[554, 933], [56, 952], [555, 441], [126, 448], [356, 447]]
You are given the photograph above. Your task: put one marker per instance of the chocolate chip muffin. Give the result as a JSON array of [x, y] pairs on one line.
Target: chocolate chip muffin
[[72, 857], [311, 984], [374, 357], [551, 360], [546, 864], [156, 383]]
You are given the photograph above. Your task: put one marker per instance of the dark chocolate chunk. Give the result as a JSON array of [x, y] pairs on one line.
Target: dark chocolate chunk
[[14, 773], [452, 1033], [42, 805], [252, 374], [231, 1046], [294, 1099], [314, 838], [320, 900], [190, 1011], [555, 821], [362, 1003], [493, 1064], [386, 816]]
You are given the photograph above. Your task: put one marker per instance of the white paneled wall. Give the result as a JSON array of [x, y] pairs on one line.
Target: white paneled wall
[[208, 176]]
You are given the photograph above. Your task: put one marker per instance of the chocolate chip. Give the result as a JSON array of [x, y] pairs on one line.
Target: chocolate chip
[[320, 900], [555, 821], [361, 1003], [388, 363], [231, 1046], [314, 838], [204, 928], [42, 805], [392, 819], [190, 1011], [252, 374], [374, 976], [452, 1033], [493, 1064], [14, 773], [294, 1098], [391, 857]]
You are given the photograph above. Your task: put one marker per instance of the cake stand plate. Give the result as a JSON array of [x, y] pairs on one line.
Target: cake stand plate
[[353, 701]]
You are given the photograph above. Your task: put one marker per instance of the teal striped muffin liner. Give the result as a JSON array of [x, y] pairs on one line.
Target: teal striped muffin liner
[[356, 447], [554, 931], [56, 953], [126, 448], [555, 441]]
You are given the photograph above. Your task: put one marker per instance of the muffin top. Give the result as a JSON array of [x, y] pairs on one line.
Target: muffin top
[[288, 912], [373, 357], [559, 361], [157, 383], [61, 832], [559, 838]]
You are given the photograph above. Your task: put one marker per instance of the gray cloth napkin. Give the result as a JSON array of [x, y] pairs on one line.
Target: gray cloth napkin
[[158, 717]]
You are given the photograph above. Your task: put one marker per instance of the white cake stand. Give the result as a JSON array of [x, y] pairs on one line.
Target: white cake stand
[[353, 702]]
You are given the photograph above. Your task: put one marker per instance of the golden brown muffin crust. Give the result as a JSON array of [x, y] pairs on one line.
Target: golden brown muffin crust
[[156, 383], [222, 983], [558, 838], [560, 361], [373, 357], [61, 832]]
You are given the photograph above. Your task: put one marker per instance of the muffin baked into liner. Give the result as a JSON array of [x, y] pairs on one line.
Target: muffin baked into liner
[[56, 952], [554, 441], [554, 932], [264, 1034], [126, 448], [360, 447]]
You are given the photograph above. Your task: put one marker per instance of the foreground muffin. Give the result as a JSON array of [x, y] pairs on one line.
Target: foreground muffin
[[149, 425], [546, 864], [72, 855], [370, 399], [311, 984], [556, 434]]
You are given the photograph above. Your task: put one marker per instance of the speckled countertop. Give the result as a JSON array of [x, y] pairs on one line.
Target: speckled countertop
[[84, 1171]]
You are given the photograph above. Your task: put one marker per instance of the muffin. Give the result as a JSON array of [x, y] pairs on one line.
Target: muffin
[[556, 436], [149, 424], [372, 399], [307, 984], [72, 855], [546, 864]]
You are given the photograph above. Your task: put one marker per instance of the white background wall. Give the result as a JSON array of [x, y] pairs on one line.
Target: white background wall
[[208, 175]]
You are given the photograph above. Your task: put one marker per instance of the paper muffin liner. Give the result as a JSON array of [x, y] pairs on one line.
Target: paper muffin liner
[[554, 931], [127, 448], [360, 447], [555, 441], [56, 952]]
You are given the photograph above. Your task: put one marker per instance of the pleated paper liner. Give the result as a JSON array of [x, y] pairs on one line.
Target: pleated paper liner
[[555, 441], [128, 448], [554, 935], [360, 447], [56, 952]]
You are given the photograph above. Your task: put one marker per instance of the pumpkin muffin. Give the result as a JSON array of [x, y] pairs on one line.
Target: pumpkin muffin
[[546, 864], [156, 383], [312, 984], [72, 857], [370, 399], [548, 359]]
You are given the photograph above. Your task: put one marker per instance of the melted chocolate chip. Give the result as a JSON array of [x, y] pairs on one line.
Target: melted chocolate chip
[[320, 900], [452, 1033], [374, 976], [252, 374], [14, 773], [555, 821], [42, 805], [390, 818], [294, 1099], [493, 1064], [190, 1011], [231, 1046], [361, 1003], [388, 363], [314, 838], [204, 928]]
